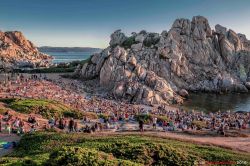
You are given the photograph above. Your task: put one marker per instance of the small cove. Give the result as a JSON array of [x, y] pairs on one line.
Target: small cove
[[208, 102]]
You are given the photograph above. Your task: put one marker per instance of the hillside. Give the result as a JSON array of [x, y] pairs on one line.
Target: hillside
[[152, 68], [18, 52], [47, 148], [44, 108]]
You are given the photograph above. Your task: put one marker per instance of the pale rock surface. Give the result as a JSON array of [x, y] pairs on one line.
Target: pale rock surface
[[160, 68], [18, 52]]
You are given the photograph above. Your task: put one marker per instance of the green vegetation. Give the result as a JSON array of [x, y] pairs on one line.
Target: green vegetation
[[46, 108], [103, 116], [148, 118], [242, 72], [61, 68], [129, 42], [50, 148], [199, 124], [151, 39]]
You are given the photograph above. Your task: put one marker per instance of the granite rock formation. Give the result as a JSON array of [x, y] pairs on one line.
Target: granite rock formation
[[18, 52], [152, 68]]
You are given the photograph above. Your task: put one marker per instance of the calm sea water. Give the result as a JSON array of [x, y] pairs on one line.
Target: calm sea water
[[64, 57], [214, 102]]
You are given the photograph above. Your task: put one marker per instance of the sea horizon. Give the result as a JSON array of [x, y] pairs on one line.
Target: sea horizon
[[66, 57]]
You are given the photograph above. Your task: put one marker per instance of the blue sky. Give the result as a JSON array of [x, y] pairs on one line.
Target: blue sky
[[90, 22]]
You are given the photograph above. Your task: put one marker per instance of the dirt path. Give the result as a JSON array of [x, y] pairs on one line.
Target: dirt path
[[234, 143]]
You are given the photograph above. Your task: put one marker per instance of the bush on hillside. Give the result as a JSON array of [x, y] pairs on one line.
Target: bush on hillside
[[149, 153], [199, 124], [55, 148], [82, 157], [129, 42], [146, 118], [46, 108]]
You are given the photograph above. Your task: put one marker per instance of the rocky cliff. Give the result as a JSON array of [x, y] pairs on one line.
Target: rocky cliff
[[17, 52], [152, 68]]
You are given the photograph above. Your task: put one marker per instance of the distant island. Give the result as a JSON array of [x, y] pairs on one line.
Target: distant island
[[68, 49]]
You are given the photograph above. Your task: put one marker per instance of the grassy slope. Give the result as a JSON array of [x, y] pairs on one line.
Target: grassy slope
[[82, 149], [46, 108]]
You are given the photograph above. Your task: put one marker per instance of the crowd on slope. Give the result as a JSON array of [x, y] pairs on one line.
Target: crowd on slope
[[40, 87]]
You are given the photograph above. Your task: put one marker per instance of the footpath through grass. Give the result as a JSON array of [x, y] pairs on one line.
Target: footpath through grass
[[49, 148]]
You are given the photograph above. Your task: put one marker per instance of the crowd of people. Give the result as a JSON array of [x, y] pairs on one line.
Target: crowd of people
[[14, 124], [39, 87], [116, 113]]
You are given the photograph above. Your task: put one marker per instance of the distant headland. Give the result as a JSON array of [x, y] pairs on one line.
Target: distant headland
[[68, 49]]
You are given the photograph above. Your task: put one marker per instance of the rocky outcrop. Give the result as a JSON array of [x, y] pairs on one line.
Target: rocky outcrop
[[153, 68], [17, 52]]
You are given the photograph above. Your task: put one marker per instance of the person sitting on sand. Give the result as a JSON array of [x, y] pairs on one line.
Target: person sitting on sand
[[51, 122], [32, 129], [30, 119], [6, 116], [87, 129]]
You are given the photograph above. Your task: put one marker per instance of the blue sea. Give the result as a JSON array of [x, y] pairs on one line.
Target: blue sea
[[65, 57]]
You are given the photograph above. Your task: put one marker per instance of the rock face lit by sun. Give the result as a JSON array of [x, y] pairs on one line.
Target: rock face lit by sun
[[152, 68]]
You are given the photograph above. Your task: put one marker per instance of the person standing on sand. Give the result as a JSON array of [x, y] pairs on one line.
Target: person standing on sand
[[154, 122], [8, 127], [71, 125], [61, 123], [141, 125], [76, 127]]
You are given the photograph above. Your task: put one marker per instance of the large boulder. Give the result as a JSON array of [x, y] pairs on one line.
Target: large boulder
[[247, 85], [117, 38], [184, 93], [152, 68]]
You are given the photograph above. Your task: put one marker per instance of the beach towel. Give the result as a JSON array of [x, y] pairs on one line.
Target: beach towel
[[5, 145]]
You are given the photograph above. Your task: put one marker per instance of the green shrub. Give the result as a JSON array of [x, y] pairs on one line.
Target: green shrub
[[79, 149], [61, 68], [46, 108], [7, 100], [90, 115], [129, 42], [146, 118], [149, 153], [199, 124], [77, 156], [159, 118], [103, 116], [151, 39]]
